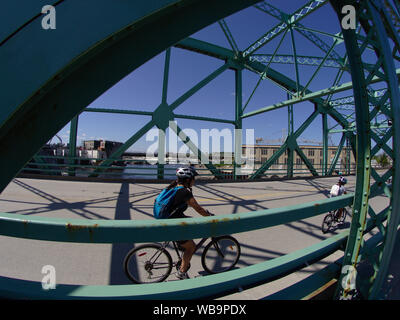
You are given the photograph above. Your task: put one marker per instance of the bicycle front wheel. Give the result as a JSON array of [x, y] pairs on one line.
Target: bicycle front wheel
[[148, 263], [221, 254]]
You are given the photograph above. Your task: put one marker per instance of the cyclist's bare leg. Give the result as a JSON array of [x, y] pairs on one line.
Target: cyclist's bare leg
[[339, 213], [190, 248]]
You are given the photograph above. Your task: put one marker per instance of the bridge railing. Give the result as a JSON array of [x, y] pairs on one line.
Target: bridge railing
[[114, 231], [132, 168]]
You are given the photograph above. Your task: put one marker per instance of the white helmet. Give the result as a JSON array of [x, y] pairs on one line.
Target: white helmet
[[186, 172]]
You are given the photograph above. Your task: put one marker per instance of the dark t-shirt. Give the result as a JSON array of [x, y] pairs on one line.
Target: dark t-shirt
[[179, 204]]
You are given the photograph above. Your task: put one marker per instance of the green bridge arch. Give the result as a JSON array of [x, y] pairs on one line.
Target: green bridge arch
[[50, 77]]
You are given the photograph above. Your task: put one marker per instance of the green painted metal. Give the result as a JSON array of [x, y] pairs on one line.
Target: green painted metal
[[369, 11], [307, 162], [299, 14], [324, 144], [118, 153], [137, 231], [238, 121], [83, 231], [220, 55], [376, 10], [122, 111], [304, 289], [290, 151], [148, 113], [317, 282], [265, 166], [296, 67], [265, 71], [200, 155], [360, 205], [301, 60], [229, 36], [289, 143], [309, 34], [182, 116], [198, 86], [337, 154], [263, 74], [320, 66], [69, 82], [166, 75], [310, 96], [162, 117], [66, 81], [197, 288], [72, 142]]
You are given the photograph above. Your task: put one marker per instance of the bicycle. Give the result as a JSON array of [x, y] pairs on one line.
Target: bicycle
[[150, 263], [332, 219]]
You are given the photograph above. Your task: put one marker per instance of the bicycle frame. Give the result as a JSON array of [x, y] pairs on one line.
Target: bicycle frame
[[155, 250], [198, 245]]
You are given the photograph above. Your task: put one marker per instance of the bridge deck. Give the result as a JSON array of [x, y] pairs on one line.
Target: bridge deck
[[101, 264]]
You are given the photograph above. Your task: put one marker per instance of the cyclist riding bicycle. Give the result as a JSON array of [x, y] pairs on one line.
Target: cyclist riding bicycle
[[184, 198], [337, 190]]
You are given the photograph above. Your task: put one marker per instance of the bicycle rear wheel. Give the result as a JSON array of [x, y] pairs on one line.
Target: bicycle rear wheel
[[221, 254], [343, 217], [148, 263], [327, 223]]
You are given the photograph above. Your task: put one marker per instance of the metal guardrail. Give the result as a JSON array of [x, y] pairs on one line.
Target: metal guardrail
[[106, 231], [137, 231], [68, 166], [197, 288]]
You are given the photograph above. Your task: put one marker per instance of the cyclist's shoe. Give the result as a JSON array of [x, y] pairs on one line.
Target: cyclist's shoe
[[182, 275]]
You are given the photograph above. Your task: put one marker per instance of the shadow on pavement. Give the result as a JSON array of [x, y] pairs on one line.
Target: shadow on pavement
[[119, 250]]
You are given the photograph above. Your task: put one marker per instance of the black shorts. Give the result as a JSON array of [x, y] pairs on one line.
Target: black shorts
[[177, 215]]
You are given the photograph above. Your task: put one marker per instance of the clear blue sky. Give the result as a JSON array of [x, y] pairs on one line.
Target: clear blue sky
[[142, 89]]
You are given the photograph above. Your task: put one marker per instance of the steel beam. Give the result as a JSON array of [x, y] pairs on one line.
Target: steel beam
[[307, 162], [337, 154], [200, 155], [313, 95], [324, 144], [119, 152], [289, 143], [377, 13], [360, 205], [72, 142], [238, 123], [63, 82], [306, 32], [254, 66], [298, 15]]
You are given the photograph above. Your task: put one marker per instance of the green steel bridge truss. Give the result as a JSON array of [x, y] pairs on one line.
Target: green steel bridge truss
[[42, 82]]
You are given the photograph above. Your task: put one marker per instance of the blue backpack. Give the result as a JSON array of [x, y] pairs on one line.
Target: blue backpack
[[163, 202]]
